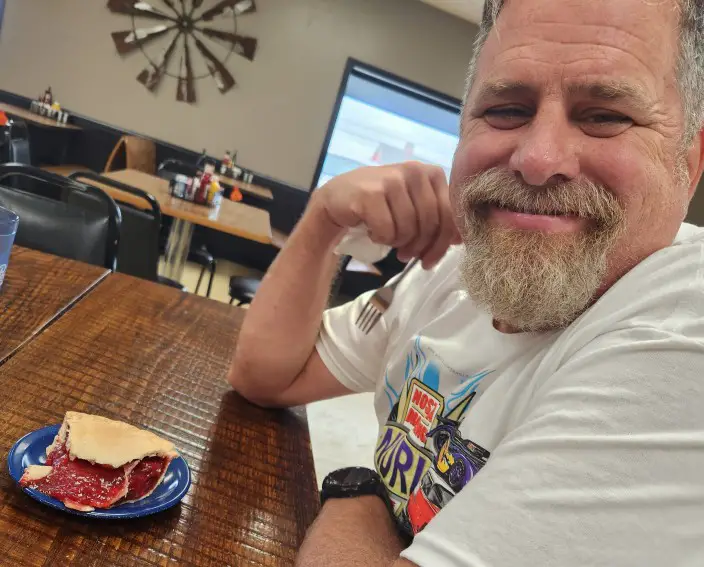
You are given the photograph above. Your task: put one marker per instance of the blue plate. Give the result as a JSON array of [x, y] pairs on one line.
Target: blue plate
[[31, 450]]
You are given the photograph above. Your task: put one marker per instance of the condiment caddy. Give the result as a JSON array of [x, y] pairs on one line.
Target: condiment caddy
[[203, 189]]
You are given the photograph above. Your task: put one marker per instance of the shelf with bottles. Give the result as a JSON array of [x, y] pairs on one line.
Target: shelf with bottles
[[46, 105]]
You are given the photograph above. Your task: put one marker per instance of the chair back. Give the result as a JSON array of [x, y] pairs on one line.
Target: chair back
[[139, 233], [18, 143], [136, 153], [60, 216], [14, 144]]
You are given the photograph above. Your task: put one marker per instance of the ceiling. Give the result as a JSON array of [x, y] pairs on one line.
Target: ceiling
[[467, 9]]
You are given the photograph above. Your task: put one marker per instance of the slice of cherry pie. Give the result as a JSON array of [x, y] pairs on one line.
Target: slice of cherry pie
[[95, 462]]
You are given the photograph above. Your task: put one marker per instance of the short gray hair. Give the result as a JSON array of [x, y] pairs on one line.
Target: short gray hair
[[690, 67]]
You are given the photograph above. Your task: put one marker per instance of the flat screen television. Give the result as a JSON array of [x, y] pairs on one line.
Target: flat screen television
[[380, 118]]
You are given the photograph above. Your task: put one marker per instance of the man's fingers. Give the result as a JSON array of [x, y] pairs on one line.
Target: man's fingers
[[378, 218], [446, 236], [447, 233], [403, 212], [405, 206], [425, 203]]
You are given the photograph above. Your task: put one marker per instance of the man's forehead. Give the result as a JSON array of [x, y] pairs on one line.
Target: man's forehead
[[649, 25], [624, 14], [636, 38]]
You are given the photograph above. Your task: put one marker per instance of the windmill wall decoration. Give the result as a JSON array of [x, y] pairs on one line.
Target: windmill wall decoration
[[185, 28]]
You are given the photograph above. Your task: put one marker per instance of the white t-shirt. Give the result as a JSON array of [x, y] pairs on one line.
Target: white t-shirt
[[578, 447]]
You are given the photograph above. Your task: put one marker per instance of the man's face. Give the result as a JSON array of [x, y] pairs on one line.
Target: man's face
[[570, 169]]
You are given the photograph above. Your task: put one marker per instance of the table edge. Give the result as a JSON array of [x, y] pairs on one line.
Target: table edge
[[54, 318]]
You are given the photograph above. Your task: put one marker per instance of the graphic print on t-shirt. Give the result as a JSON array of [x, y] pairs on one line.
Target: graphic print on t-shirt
[[420, 454]]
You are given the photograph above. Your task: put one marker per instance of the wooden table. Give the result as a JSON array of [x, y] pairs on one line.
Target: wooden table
[[230, 217], [157, 357], [29, 116], [39, 288], [256, 190]]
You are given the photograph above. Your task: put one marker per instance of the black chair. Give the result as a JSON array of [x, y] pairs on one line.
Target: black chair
[[139, 236], [198, 254], [242, 289], [60, 216], [171, 167], [18, 148]]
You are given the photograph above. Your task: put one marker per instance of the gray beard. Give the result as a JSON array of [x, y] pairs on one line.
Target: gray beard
[[533, 281], [529, 280]]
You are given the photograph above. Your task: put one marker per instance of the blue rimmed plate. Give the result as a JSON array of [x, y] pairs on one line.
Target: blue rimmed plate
[[31, 450]]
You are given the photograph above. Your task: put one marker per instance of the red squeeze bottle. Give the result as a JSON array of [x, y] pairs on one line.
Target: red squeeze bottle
[[202, 194]]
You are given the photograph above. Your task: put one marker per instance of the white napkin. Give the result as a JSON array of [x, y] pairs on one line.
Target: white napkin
[[356, 243]]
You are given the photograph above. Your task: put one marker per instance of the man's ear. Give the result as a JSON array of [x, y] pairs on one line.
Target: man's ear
[[695, 163]]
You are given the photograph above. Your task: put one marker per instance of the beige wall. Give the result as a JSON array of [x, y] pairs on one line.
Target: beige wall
[[278, 114]]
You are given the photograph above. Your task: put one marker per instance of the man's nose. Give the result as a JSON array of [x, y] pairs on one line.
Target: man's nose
[[546, 152]]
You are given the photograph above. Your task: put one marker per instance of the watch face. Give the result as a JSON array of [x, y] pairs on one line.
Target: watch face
[[354, 476], [352, 482], [350, 479]]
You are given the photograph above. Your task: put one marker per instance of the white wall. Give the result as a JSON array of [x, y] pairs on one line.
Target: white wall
[[278, 114]]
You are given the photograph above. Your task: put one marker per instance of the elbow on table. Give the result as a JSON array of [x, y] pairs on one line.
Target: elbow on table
[[244, 384]]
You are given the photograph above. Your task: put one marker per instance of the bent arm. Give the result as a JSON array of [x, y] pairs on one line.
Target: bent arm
[[275, 362]]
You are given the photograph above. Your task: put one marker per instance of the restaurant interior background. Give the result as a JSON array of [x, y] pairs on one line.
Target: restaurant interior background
[[276, 117]]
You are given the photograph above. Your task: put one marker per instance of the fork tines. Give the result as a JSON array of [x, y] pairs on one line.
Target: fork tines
[[368, 318]]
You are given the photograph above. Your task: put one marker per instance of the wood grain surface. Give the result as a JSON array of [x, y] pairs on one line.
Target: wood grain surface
[[37, 289], [230, 217], [30, 116], [157, 358]]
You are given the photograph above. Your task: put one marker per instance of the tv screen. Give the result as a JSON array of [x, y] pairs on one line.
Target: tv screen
[[381, 119]]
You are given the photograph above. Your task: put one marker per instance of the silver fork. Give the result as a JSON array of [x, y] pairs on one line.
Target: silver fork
[[379, 302]]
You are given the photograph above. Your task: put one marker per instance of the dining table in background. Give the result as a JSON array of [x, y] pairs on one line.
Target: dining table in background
[[156, 357], [58, 133], [29, 116], [248, 188], [261, 193], [229, 217], [38, 289]]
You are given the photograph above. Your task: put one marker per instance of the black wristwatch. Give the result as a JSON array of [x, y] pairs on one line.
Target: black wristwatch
[[353, 482]]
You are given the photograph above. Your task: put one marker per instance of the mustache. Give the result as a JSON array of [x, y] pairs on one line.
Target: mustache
[[579, 197]]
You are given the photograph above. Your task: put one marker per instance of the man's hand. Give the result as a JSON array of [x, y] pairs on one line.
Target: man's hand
[[406, 206]]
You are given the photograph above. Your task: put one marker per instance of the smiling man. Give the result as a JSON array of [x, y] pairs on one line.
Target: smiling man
[[540, 381]]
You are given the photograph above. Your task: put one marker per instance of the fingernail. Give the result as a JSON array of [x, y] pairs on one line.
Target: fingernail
[[403, 258]]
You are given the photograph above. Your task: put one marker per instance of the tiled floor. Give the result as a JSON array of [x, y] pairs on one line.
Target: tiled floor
[[342, 431]]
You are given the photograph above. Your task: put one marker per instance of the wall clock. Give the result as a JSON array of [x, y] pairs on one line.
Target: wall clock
[[187, 40]]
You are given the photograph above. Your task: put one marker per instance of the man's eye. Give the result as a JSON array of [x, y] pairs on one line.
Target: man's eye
[[607, 118], [605, 124], [507, 117]]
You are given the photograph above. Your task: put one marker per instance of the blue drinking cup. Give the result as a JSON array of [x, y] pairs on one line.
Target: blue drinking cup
[[8, 229]]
